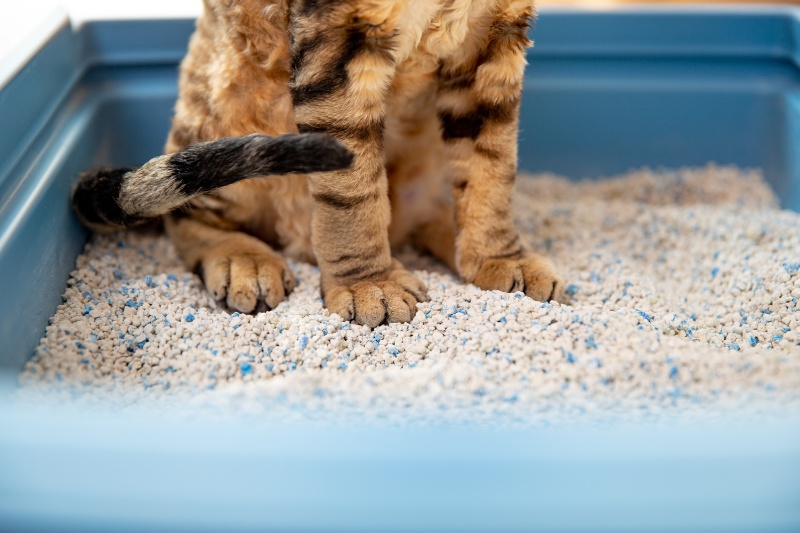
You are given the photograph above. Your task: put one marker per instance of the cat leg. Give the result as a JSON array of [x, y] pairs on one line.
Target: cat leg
[[235, 267], [342, 65], [438, 236], [478, 105]]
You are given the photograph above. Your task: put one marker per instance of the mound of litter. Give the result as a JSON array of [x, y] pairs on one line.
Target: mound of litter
[[682, 301]]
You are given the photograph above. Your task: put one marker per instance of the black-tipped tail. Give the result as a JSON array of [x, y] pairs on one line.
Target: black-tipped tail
[[114, 198]]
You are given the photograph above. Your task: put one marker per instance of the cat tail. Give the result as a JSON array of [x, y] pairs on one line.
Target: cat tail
[[115, 198]]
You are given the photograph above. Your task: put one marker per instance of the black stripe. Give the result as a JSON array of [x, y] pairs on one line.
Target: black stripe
[[370, 133], [469, 125], [365, 255], [356, 41], [460, 126], [512, 248], [456, 78], [302, 50], [501, 113], [317, 7], [362, 271], [343, 202], [488, 153], [513, 32], [503, 234]]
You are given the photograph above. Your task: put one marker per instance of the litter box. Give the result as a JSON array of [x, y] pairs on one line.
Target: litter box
[[606, 91]]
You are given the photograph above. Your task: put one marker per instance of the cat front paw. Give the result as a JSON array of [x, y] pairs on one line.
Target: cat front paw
[[371, 303], [244, 274], [531, 274]]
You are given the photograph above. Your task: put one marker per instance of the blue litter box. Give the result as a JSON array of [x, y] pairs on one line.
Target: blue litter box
[[606, 91]]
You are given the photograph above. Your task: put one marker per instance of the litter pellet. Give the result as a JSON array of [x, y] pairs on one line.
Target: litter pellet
[[681, 301]]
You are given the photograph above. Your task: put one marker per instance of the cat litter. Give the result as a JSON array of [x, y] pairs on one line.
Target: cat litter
[[682, 302]]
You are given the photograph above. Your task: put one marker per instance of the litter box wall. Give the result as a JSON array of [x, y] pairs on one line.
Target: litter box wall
[[605, 92]]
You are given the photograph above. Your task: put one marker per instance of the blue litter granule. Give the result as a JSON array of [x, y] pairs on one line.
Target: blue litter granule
[[517, 295], [570, 357], [93, 337], [463, 311], [303, 342], [141, 344], [572, 289], [118, 273], [734, 346], [292, 366], [576, 318], [375, 344], [172, 277], [121, 335], [503, 319], [246, 368], [790, 268], [714, 272], [121, 244], [590, 342], [393, 351], [270, 366], [777, 338], [673, 372], [189, 318], [84, 361], [131, 303], [87, 309], [753, 340], [80, 345], [378, 337], [214, 352], [342, 366], [644, 315]]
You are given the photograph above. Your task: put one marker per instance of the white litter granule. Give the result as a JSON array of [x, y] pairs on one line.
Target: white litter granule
[[682, 300]]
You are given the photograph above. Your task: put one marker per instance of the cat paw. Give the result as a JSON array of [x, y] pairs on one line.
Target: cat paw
[[244, 274], [533, 275], [372, 303]]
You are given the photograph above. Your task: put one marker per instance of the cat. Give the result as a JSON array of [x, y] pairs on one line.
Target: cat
[[423, 96]]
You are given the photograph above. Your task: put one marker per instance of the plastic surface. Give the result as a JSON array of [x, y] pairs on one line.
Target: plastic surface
[[605, 92]]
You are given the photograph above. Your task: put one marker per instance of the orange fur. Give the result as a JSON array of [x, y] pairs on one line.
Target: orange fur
[[424, 92]]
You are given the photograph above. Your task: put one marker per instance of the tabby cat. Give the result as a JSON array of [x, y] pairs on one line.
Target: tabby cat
[[422, 98]]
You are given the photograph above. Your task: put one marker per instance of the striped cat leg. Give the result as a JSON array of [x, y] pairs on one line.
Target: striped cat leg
[[342, 64], [478, 106], [235, 267]]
